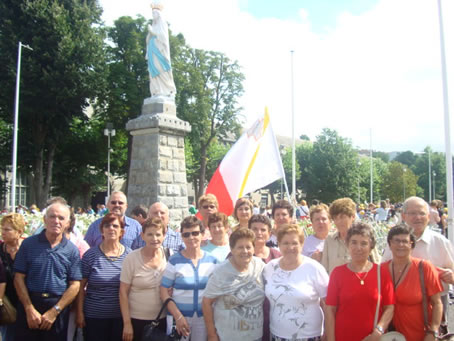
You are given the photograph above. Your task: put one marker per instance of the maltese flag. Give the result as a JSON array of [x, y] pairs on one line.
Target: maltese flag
[[252, 163]]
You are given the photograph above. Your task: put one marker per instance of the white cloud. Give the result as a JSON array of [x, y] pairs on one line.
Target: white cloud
[[380, 69]]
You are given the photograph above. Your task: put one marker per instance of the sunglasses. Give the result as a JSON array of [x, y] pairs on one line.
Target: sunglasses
[[205, 207], [187, 234], [117, 202]]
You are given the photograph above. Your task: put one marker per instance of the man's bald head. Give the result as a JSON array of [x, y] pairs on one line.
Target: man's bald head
[[161, 211]]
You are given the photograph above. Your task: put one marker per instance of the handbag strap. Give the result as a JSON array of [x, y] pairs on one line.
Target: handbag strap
[[164, 305], [379, 295], [424, 294]]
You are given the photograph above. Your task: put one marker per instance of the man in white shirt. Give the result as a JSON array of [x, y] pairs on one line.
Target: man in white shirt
[[430, 245]]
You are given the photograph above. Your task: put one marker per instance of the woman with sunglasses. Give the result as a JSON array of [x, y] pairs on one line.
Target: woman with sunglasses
[[408, 312], [187, 274], [208, 204]]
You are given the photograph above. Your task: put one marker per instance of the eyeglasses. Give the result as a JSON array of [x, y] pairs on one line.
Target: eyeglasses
[[187, 234], [401, 241], [414, 214], [108, 226], [205, 207], [116, 202]]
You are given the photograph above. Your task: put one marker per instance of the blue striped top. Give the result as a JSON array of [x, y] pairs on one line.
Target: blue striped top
[[48, 269], [103, 275], [130, 239], [188, 281]]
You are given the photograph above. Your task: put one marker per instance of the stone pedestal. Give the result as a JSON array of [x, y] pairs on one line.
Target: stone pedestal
[[158, 169]]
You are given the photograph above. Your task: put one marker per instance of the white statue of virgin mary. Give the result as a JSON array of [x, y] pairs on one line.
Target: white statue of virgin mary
[[158, 56]]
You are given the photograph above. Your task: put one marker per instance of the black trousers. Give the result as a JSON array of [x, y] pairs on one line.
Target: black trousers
[[42, 304], [103, 329]]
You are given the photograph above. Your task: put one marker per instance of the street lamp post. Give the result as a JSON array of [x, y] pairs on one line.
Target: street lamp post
[[430, 173], [16, 126], [359, 188], [109, 131], [434, 174], [405, 170]]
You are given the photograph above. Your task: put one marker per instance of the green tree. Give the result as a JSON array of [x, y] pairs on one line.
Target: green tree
[[400, 182], [208, 87], [81, 172], [379, 172], [406, 158], [381, 155], [332, 169], [59, 78], [128, 81]]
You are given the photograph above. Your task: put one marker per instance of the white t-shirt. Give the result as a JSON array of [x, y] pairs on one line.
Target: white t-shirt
[[295, 298], [312, 244], [144, 299], [238, 309]]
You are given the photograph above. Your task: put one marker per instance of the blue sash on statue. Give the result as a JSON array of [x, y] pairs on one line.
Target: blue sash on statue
[[153, 50]]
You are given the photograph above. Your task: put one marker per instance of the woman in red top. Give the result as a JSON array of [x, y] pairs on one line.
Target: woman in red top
[[408, 314], [353, 293]]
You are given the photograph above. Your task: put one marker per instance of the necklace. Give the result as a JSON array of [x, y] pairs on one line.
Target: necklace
[[361, 279], [111, 258], [401, 274]]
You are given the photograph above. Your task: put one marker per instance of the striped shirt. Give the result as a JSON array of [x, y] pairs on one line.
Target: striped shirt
[[188, 281], [130, 239], [103, 275], [47, 269]]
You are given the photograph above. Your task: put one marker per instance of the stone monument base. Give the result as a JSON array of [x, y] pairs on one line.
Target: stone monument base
[[158, 169]]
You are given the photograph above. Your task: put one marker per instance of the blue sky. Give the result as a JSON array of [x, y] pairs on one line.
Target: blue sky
[[358, 64], [321, 13]]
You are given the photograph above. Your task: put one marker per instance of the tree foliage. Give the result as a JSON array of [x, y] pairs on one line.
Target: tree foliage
[[208, 87], [331, 171], [400, 182], [59, 77]]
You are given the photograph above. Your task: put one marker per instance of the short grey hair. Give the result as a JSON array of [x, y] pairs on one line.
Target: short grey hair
[[58, 204], [412, 199], [119, 192]]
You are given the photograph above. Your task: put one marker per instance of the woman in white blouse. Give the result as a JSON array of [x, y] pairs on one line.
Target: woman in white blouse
[[140, 278], [296, 286]]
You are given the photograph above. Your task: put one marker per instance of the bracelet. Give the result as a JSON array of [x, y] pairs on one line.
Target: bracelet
[[380, 330], [432, 332], [178, 319]]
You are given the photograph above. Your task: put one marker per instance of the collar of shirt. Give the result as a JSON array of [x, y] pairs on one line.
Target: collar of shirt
[[426, 236], [43, 239]]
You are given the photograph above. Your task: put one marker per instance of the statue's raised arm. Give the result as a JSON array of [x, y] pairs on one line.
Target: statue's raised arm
[[158, 56]]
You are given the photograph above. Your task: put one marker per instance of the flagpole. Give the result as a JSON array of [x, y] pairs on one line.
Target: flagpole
[[371, 171], [449, 182], [293, 138]]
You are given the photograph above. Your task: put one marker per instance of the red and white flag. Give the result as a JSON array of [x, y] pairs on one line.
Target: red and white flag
[[252, 163]]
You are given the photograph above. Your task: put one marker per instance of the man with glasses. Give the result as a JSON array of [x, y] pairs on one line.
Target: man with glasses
[[430, 245], [117, 205]]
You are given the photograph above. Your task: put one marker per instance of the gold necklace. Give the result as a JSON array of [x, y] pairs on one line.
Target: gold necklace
[[112, 258], [361, 280]]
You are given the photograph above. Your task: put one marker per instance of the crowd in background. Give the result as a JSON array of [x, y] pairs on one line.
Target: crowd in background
[[263, 277]]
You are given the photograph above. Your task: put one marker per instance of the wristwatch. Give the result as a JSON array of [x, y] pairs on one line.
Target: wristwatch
[[57, 308], [380, 329]]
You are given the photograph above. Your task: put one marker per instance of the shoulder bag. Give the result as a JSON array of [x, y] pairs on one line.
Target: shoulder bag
[[151, 331], [390, 336], [425, 310], [7, 312]]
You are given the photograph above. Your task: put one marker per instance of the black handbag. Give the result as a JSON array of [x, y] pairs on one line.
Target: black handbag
[[151, 331]]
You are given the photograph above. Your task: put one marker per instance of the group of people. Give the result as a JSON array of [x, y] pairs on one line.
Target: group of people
[[252, 281]]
